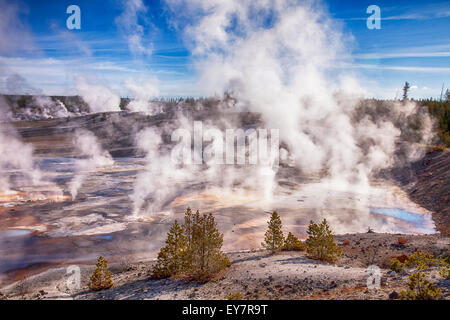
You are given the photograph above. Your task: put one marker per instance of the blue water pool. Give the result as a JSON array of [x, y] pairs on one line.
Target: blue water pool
[[105, 237], [415, 218]]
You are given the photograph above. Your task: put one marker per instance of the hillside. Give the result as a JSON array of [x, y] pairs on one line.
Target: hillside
[[432, 188]]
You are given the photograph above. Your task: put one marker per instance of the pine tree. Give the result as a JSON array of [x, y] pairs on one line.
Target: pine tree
[[274, 239], [292, 243], [406, 88], [101, 279], [193, 249], [188, 232], [205, 255], [171, 256], [320, 244]]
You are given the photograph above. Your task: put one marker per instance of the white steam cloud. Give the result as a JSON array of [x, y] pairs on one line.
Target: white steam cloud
[[87, 146], [282, 65], [142, 95], [99, 97], [278, 59], [16, 157], [14, 34], [128, 24]]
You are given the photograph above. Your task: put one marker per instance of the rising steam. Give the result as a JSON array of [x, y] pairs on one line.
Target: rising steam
[[99, 98], [16, 157], [94, 157], [283, 65], [142, 95]]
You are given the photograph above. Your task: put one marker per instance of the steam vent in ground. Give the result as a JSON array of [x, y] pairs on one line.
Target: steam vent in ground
[[110, 130]]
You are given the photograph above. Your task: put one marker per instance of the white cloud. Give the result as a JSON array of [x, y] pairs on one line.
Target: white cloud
[[15, 37], [399, 68], [128, 24], [402, 55]]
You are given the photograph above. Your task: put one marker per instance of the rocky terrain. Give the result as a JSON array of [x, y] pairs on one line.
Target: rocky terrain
[[430, 187], [257, 274]]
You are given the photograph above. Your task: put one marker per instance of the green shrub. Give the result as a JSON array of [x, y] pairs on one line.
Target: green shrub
[[101, 278], [396, 265], [320, 244], [292, 243], [420, 289], [421, 260], [235, 296], [274, 239]]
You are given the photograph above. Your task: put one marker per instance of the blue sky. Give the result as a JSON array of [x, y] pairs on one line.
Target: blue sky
[[412, 45]]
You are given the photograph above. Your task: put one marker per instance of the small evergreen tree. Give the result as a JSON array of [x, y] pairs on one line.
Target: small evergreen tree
[[101, 278], [171, 256], [205, 257], [292, 243], [320, 244], [193, 249], [188, 233], [274, 239], [406, 88]]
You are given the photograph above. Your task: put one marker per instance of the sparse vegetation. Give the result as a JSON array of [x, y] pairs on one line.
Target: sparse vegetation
[[418, 260], [421, 260], [101, 278], [320, 244], [419, 288], [192, 250], [274, 239]]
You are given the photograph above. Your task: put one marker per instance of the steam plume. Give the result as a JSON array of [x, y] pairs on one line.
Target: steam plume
[[88, 147], [283, 66], [15, 156], [98, 97]]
